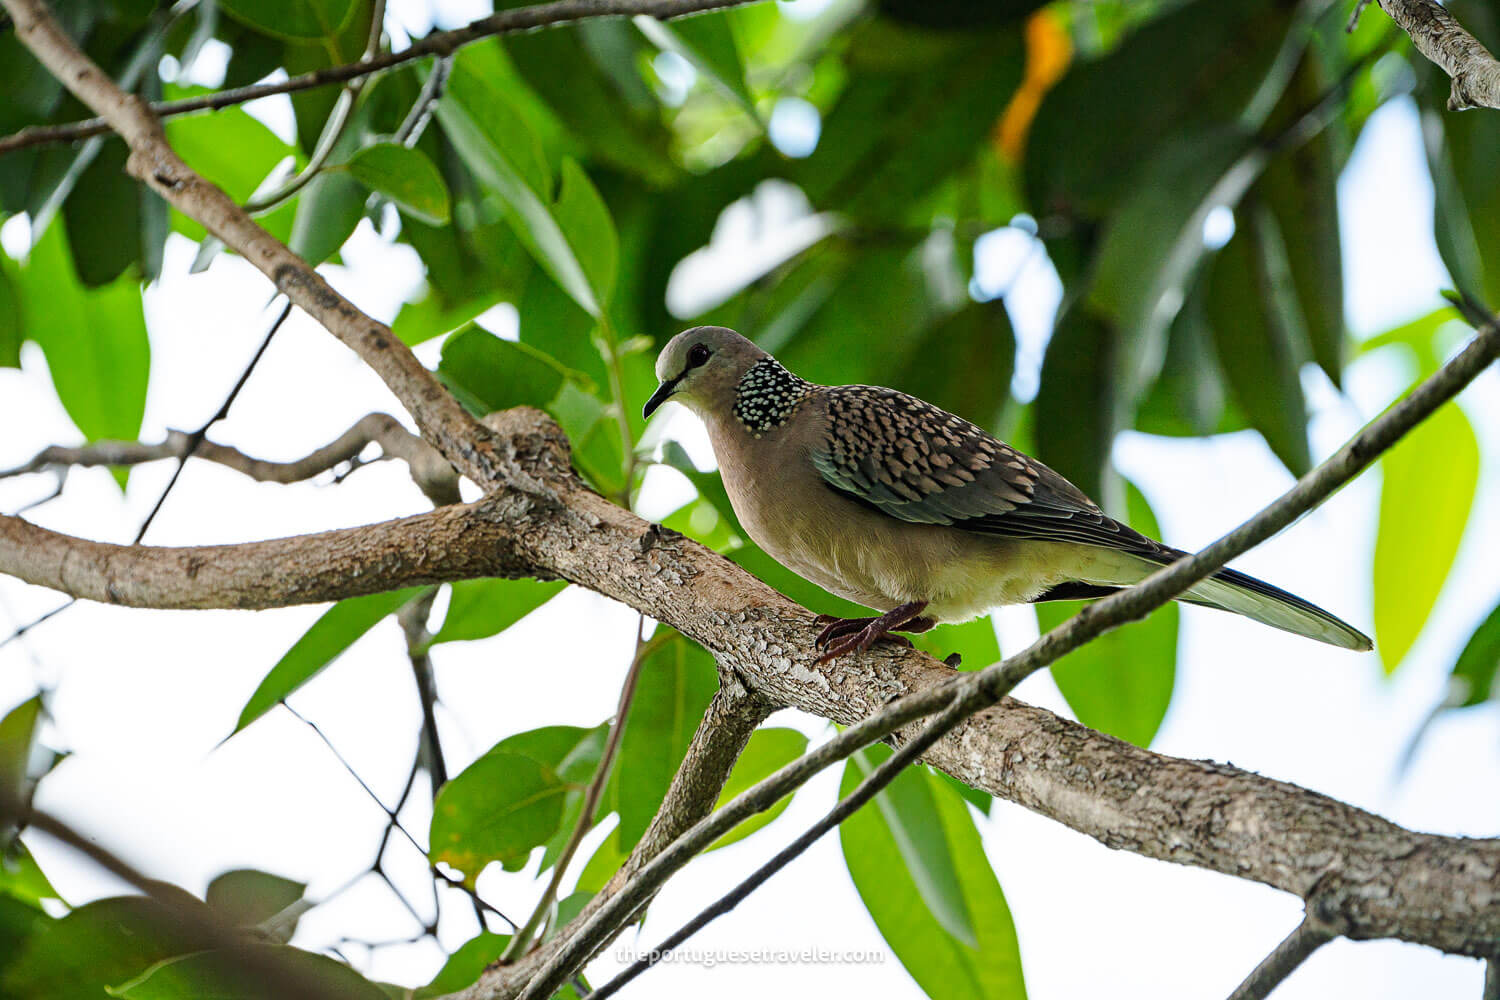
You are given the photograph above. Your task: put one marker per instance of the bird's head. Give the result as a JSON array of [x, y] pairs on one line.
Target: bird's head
[[701, 367]]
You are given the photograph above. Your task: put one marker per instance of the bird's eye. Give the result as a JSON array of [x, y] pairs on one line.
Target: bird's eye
[[697, 355]]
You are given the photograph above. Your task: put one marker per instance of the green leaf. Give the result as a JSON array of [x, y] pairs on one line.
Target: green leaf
[[908, 810], [768, 751], [1426, 491], [101, 944], [974, 641], [94, 340], [293, 20], [499, 808], [406, 176], [758, 563], [571, 751], [493, 374], [707, 42], [499, 147], [1201, 64], [478, 609], [248, 973], [465, 965], [17, 736], [585, 221], [1474, 671], [327, 212], [1121, 683], [12, 332], [942, 965], [21, 877], [330, 635], [676, 683], [1189, 397], [245, 897], [1259, 336], [1078, 407]]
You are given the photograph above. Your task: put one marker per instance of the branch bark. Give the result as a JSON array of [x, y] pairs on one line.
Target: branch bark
[[1439, 37]]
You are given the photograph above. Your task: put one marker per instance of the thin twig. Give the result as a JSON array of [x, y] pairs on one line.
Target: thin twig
[[413, 621], [970, 692], [522, 938], [1491, 980], [440, 43], [22, 630], [196, 438], [1296, 948]]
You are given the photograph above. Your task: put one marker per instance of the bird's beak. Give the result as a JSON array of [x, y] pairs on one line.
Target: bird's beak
[[661, 395]]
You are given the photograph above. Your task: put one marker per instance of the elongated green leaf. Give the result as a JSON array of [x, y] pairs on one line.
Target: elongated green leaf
[[499, 147], [676, 683], [1259, 335], [768, 751], [1190, 396], [908, 809], [940, 963], [964, 363], [571, 751], [478, 609], [585, 222], [707, 42], [1426, 491], [1121, 683], [319, 646], [22, 878], [94, 340], [1078, 404], [249, 973], [487, 373], [12, 332], [293, 20], [500, 808], [406, 176], [246, 898], [1474, 670]]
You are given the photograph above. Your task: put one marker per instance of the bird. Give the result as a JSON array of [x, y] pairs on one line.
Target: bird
[[904, 508]]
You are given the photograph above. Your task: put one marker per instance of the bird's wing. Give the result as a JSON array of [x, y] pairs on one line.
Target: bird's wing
[[916, 462]]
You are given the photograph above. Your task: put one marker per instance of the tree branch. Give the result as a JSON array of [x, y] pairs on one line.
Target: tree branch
[[1475, 73], [1296, 948], [440, 43]]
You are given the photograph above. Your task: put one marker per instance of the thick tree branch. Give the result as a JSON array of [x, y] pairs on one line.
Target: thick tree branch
[[1475, 72], [438, 43]]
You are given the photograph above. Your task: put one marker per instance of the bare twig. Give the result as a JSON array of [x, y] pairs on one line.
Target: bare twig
[[413, 620], [441, 43], [1491, 980], [1475, 73], [1296, 948]]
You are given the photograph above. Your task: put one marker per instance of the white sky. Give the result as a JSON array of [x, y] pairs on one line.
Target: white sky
[[142, 698]]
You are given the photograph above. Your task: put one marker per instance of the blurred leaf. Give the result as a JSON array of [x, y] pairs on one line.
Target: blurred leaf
[[293, 20], [1077, 405], [335, 631], [327, 212], [964, 363], [707, 43], [602, 866], [1460, 151], [478, 609], [1189, 397], [585, 222], [908, 811], [1259, 336], [942, 965], [1474, 670], [245, 897], [493, 374], [99, 945], [19, 922], [759, 563], [710, 485], [406, 176], [1426, 491], [676, 683], [1416, 334], [94, 340], [249, 973], [571, 751], [1201, 64], [974, 641], [463, 967], [1121, 683], [500, 808], [103, 218], [17, 735], [12, 332], [768, 751], [1300, 187]]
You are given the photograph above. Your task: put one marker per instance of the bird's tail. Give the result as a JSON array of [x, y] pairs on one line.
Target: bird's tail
[[1231, 590]]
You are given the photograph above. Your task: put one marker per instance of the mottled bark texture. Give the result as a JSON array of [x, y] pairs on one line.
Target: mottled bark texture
[[1475, 73]]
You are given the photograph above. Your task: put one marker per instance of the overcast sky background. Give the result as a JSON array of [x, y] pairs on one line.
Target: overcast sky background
[[142, 698]]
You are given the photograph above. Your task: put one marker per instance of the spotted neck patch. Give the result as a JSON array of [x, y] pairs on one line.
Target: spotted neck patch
[[766, 396]]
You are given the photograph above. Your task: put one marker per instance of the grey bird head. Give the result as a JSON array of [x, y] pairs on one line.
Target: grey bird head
[[702, 365]]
